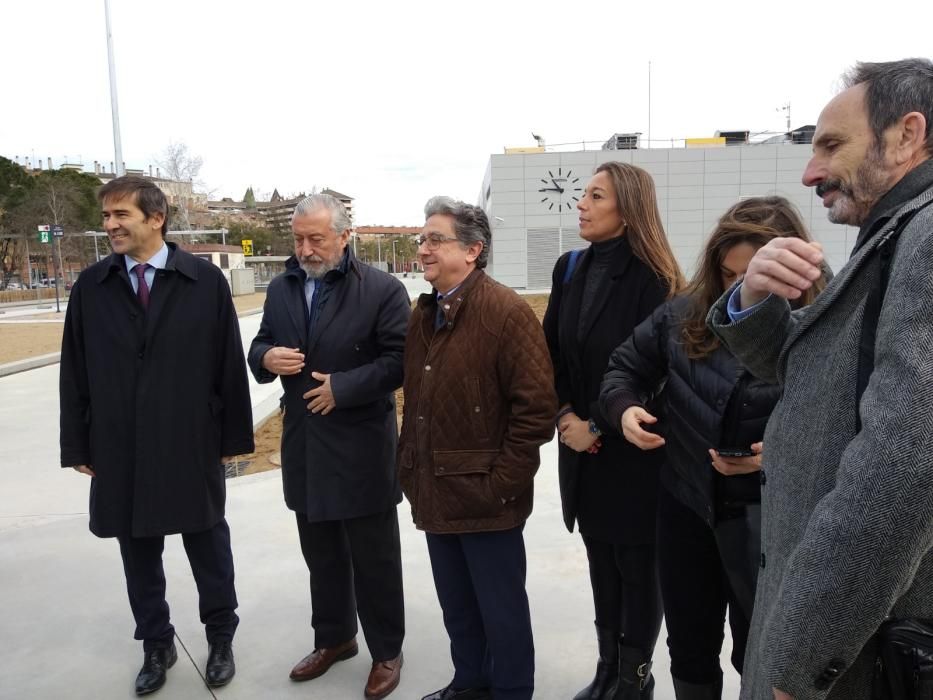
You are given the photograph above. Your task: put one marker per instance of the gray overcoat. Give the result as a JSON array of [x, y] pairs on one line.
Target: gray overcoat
[[847, 518]]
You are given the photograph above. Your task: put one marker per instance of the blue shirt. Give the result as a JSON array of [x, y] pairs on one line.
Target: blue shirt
[[156, 262], [732, 308]]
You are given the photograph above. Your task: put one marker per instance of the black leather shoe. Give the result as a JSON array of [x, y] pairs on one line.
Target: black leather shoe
[[220, 666], [155, 664], [449, 693]]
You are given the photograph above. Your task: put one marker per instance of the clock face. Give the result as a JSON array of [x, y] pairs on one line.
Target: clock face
[[560, 190]]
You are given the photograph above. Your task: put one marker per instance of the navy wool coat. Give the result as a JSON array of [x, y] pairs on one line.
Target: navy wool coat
[[341, 465], [153, 400]]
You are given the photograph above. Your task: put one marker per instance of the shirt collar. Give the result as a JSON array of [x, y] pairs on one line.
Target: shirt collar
[[157, 261]]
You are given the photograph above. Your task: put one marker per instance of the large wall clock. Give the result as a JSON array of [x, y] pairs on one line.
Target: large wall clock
[[560, 191]]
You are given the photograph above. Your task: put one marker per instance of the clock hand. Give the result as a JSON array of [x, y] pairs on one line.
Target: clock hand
[[559, 188]]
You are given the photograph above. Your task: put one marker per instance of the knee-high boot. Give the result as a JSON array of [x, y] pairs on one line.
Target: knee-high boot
[[607, 667], [635, 679], [698, 691]]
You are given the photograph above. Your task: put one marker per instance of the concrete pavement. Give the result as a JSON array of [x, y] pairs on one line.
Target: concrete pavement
[[67, 627]]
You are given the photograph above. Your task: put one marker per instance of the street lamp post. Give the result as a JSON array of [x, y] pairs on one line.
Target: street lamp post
[[394, 268]]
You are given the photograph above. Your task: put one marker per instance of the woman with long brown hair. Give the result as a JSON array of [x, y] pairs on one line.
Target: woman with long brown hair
[[608, 486], [715, 415]]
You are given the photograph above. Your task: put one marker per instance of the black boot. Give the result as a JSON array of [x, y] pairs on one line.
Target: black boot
[[607, 668], [698, 691], [635, 679]]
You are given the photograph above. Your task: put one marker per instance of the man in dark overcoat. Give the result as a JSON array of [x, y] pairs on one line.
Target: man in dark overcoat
[[333, 330], [154, 396]]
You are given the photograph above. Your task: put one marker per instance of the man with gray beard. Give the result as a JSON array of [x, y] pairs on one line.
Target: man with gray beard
[[333, 330]]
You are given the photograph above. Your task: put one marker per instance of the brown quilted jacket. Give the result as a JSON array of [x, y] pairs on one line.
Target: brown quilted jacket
[[479, 403]]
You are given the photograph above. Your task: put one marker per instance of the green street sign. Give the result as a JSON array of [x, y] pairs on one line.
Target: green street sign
[[44, 236]]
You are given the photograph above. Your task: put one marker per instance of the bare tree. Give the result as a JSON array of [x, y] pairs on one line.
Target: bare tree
[[178, 164]]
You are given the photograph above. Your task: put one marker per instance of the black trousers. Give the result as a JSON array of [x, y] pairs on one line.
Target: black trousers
[[355, 568], [626, 595], [211, 562], [480, 581], [697, 592]]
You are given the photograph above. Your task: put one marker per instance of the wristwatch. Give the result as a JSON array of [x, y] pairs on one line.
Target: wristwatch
[[594, 429]]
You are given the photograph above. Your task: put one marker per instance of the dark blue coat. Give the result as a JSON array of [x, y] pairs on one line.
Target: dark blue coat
[[153, 400], [697, 395], [341, 465]]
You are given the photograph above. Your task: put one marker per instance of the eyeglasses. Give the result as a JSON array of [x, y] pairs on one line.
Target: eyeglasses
[[433, 241]]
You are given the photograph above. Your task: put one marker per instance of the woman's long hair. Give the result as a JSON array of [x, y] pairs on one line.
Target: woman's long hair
[[755, 221], [638, 205]]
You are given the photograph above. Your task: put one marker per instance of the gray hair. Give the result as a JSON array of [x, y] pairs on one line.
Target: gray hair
[[894, 89], [471, 225], [339, 219]]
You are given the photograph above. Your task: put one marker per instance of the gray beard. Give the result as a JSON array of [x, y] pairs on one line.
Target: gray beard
[[322, 269]]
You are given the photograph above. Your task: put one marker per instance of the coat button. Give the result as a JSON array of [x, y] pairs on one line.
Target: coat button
[[829, 674], [476, 409], [421, 419], [440, 470], [762, 560], [446, 307], [140, 356], [427, 368], [763, 478]]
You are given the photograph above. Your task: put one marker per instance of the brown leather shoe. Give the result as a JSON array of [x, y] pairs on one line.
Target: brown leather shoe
[[320, 660], [383, 678]]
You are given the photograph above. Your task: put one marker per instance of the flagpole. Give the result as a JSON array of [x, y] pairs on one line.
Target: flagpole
[[117, 145]]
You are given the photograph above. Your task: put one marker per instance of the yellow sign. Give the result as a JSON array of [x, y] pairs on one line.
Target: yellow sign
[[711, 142], [247, 244]]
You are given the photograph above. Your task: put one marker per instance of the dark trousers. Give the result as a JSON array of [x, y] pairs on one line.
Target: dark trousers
[[696, 592], [625, 591], [480, 581], [211, 562], [355, 568]]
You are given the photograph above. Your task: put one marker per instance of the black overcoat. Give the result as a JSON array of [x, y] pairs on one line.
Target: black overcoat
[[613, 494], [153, 400], [341, 465]]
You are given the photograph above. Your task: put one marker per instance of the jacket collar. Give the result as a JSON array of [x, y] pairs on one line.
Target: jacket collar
[[907, 188], [348, 264], [178, 260], [428, 301]]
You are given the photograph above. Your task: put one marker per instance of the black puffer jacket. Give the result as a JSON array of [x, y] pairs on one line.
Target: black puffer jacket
[[711, 402]]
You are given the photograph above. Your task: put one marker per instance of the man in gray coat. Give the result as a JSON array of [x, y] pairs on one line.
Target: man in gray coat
[[847, 519]]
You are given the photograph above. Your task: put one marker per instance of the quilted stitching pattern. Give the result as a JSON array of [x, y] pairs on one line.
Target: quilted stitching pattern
[[480, 384]]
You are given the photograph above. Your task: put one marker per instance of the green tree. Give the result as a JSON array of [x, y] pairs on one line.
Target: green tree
[[64, 197]]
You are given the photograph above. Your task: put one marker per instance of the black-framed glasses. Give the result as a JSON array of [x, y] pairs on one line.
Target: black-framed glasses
[[433, 241]]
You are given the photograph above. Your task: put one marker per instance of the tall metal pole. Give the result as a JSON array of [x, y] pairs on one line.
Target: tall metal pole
[[649, 104], [117, 145]]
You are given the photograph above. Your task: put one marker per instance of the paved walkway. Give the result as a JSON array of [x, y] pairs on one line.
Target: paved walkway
[[67, 627]]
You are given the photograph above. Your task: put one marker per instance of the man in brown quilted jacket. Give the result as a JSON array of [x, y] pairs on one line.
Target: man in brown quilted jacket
[[479, 403]]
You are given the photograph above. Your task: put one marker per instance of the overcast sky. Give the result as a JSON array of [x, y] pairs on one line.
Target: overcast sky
[[393, 102]]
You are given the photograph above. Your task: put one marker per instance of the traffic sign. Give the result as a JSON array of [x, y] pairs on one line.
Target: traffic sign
[[44, 236], [43, 227], [58, 230], [247, 244]]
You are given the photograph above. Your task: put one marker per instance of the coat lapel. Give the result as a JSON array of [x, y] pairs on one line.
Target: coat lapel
[[841, 282], [298, 309]]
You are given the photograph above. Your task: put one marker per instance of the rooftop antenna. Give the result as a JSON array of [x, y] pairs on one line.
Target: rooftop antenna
[[785, 108]]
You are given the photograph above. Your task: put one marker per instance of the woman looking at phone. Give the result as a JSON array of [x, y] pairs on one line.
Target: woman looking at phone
[[714, 418]]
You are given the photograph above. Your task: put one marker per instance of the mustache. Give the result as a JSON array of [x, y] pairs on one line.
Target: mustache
[[828, 186], [306, 259]]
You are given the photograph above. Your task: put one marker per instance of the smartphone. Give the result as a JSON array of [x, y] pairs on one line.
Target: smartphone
[[734, 452]]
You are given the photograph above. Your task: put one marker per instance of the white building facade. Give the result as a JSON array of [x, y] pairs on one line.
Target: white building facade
[[533, 223]]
